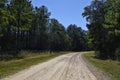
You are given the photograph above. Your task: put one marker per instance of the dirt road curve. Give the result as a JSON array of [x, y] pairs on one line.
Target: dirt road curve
[[66, 67]]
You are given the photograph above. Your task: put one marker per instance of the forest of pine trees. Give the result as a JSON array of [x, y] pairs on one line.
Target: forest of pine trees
[[25, 27], [104, 27]]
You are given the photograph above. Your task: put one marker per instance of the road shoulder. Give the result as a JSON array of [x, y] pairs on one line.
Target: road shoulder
[[100, 75]]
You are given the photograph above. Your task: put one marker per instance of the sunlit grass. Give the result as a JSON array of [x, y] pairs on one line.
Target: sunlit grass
[[30, 58], [110, 67]]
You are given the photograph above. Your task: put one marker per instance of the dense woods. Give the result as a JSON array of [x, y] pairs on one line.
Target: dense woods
[[104, 27], [25, 27]]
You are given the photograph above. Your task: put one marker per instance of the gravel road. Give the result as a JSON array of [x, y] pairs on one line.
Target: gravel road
[[66, 67]]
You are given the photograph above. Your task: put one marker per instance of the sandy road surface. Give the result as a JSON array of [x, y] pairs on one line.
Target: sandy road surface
[[66, 67]]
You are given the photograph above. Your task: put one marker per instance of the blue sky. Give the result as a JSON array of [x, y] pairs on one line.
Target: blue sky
[[66, 11]]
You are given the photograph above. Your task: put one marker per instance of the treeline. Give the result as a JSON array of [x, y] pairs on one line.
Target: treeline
[[104, 27], [24, 27]]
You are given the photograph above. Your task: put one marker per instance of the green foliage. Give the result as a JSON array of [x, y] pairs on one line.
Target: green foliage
[[94, 14], [112, 24], [104, 26], [22, 10], [39, 28], [77, 38], [59, 39], [24, 27]]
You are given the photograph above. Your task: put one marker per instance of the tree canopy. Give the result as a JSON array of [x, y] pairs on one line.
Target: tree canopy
[[104, 27], [25, 27]]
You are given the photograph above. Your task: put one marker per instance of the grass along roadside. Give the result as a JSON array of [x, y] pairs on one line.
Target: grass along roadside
[[15, 65], [110, 67]]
